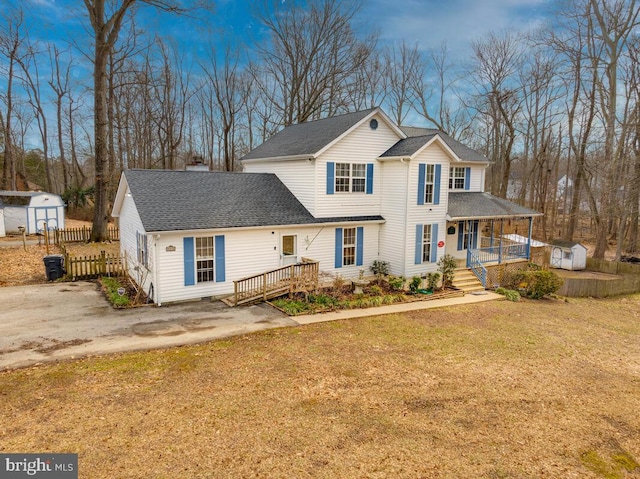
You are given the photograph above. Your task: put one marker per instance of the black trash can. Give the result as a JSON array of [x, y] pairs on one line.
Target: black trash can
[[54, 266]]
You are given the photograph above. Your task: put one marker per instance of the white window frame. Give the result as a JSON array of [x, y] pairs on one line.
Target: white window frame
[[426, 243], [141, 253], [429, 183], [205, 259], [348, 248], [457, 177], [350, 178]]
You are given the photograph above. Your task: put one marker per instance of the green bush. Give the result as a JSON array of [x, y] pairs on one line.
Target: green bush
[[510, 294], [375, 290], [396, 282], [432, 281], [379, 268], [415, 284], [292, 307], [447, 265], [534, 284]]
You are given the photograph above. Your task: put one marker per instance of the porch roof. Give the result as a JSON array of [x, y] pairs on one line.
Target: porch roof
[[480, 205]]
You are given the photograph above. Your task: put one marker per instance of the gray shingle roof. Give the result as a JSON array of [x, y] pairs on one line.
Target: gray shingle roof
[[192, 200], [306, 138], [418, 137], [475, 205]]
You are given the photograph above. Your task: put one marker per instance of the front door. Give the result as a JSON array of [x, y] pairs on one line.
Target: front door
[[289, 250]]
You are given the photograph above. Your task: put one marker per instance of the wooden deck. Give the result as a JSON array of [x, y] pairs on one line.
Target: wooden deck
[[274, 283]]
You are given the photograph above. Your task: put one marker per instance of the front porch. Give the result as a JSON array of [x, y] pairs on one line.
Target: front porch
[[485, 243]]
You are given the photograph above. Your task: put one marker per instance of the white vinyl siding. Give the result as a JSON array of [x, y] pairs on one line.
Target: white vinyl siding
[[361, 146], [298, 175], [249, 252]]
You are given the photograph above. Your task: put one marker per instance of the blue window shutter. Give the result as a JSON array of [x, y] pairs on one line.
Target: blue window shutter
[[418, 258], [422, 168], [219, 259], [369, 178], [359, 245], [434, 242], [475, 234], [436, 186], [189, 261], [338, 262], [460, 235], [146, 251], [331, 177], [467, 178]]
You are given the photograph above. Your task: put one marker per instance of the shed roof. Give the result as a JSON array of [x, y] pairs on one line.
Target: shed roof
[[193, 200], [566, 244], [477, 205]]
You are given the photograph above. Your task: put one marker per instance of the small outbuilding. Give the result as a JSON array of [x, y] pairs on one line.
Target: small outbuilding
[[2, 231], [31, 209], [569, 255]]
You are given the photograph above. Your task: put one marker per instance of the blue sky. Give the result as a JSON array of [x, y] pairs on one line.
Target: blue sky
[[427, 23]]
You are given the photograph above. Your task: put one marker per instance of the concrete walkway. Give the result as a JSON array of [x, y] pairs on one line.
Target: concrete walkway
[[50, 322]]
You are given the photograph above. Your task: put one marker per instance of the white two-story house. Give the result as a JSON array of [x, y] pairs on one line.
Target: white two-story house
[[342, 191]]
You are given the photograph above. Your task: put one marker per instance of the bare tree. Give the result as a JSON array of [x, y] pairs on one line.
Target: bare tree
[[497, 59], [12, 40], [106, 19], [614, 23], [403, 67], [312, 56]]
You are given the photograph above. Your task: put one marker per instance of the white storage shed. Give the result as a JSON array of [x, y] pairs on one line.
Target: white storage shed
[[569, 255], [31, 209], [2, 231]]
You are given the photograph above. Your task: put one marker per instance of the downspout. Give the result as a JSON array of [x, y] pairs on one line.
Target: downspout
[[156, 285]]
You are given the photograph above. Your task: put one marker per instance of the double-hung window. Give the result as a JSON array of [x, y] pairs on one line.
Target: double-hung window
[[457, 178], [204, 259], [349, 247], [351, 177], [142, 252], [426, 243], [429, 184]]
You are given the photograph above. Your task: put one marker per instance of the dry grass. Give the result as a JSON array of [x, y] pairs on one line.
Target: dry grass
[[494, 390], [19, 266]]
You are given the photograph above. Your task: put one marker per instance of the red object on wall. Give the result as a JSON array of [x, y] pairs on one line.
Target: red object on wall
[[440, 244]]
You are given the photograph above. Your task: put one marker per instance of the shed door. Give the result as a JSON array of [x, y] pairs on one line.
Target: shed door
[[556, 257], [48, 214]]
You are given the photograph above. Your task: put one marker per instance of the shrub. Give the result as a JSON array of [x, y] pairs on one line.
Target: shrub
[[375, 290], [415, 284], [534, 284], [379, 268], [510, 294], [432, 281], [396, 282], [447, 265]]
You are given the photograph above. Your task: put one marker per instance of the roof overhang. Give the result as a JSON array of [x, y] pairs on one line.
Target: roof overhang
[[491, 217], [305, 157], [268, 227], [123, 187]]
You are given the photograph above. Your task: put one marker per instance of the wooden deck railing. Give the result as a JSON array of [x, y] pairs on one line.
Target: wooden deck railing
[[288, 279]]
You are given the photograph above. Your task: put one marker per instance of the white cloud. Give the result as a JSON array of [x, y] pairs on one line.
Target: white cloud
[[429, 23]]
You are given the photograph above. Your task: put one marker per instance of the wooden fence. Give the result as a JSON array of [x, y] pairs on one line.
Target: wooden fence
[[93, 267], [78, 235]]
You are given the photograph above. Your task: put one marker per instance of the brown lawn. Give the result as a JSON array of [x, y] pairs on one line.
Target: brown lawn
[[20, 266], [495, 390]]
